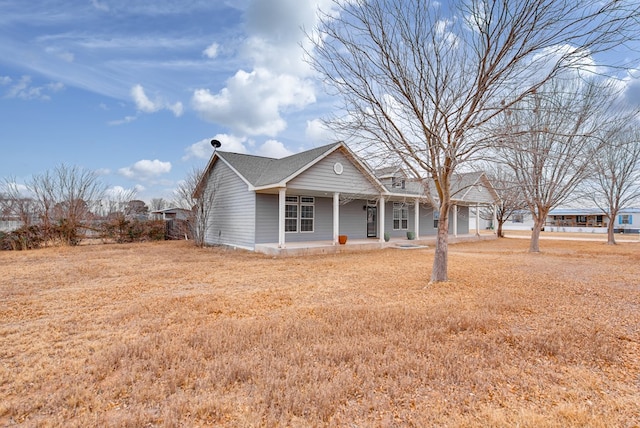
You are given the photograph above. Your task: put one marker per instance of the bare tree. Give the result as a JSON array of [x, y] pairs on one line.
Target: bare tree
[[615, 184], [420, 80], [550, 142], [158, 204], [511, 201], [116, 201], [15, 204], [65, 198], [199, 201]]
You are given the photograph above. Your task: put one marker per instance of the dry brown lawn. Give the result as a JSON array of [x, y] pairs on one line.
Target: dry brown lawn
[[164, 334]]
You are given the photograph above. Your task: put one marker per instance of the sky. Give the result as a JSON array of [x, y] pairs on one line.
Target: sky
[[135, 90]]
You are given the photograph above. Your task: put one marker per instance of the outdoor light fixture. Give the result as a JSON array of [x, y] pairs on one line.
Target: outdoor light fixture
[[216, 144]]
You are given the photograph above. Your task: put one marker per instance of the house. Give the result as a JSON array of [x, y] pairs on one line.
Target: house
[[592, 220], [171, 214], [315, 196]]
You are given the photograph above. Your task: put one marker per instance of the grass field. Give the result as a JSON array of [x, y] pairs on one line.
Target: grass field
[[164, 334]]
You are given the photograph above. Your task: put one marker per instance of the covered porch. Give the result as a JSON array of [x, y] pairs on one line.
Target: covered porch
[[368, 244]]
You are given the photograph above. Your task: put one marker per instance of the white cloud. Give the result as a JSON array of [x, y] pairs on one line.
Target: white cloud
[[255, 100], [103, 171], [146, 105], [146, 169], [125, 120], [203, 150], [318, 133], [117, 192], [211, 51], [62, 54], [251, 102], [273, 149], [24, 90], [5, 80], [100, 5]]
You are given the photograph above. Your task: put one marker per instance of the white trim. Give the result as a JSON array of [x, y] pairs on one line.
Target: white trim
[[455, 220], [381, 219], [336, 217], [282, 192], [416, 220]]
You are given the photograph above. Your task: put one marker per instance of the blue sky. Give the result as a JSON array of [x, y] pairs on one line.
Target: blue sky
[[135, 90]]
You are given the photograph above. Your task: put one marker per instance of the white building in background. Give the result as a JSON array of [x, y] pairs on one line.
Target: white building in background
[[585, 220]]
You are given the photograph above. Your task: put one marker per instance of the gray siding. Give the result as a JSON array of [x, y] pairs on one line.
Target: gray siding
[[463, 221], [232, 220], [478, 194], [321, 177], [426, 221], [266, 218], [353, 219], [267, 221]]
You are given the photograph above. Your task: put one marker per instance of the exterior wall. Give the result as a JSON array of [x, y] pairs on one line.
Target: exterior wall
[[633, 227], [353, 219], [479, 194], [322, 177], [267, 221], [232, 220], [266, 218], [464, 226]]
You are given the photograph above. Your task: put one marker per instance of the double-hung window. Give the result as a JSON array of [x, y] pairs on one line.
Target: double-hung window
[[291, 214], [400, 216], [306, 213], [436, 218], [299, 214], [625, 219]]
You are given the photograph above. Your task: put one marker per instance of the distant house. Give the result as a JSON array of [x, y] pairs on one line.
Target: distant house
[[592, 220], [315, 196], [171, 214], [9, 224]]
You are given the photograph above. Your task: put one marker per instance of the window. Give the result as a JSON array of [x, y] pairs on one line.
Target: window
[[299, 214], [400, 216], [436, 218], [581, 219], [291, 214], [517, 218], [397, 182], [306, 213], [625, 219]]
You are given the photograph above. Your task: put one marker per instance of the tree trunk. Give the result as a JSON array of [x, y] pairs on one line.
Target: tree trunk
[[439, 272], [611, 236], [499, 232], [534, 245]]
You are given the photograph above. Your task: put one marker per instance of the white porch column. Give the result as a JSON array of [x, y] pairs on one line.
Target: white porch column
[[336, 217], [416, 220], [455, 220], [477, 219], [282, 197], [381, 219]]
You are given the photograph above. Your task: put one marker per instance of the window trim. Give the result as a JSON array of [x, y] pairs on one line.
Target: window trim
[[402, 210], [299, 202]]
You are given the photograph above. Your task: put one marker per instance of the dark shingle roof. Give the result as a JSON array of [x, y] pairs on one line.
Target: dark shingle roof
[[262, 171]]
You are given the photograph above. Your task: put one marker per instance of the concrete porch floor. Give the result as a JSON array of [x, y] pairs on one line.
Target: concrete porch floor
[[327, 247]]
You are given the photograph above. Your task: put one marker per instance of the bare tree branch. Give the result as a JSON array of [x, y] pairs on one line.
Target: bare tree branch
[[419, 81]]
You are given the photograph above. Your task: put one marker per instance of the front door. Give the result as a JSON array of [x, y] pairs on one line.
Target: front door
[[372, 222]]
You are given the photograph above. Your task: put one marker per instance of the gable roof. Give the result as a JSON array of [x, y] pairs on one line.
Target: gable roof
[[263, 172], [260, 171]]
